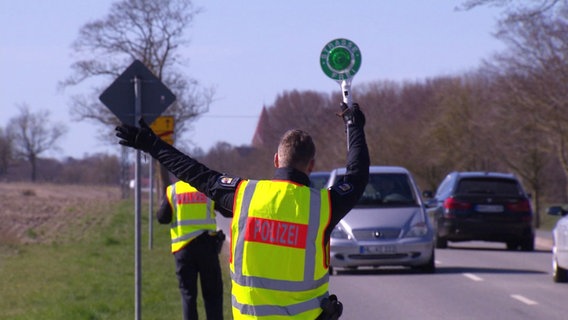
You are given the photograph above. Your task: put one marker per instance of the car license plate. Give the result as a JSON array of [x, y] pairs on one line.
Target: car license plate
[[378, 249], [489, 208]]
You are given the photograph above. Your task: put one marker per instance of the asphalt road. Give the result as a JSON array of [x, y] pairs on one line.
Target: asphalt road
[[474, 280]]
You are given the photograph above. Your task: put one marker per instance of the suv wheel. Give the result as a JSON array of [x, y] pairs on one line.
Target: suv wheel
[[441, 243], [528, 244]]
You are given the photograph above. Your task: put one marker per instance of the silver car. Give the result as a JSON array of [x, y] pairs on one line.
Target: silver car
[[388, 226], [560, 247]]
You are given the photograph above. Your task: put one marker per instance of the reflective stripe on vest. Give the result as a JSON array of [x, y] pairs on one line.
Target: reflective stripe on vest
[[192, 214], [256, 231]]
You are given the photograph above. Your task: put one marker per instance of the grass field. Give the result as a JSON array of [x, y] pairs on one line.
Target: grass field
[[88, 272]]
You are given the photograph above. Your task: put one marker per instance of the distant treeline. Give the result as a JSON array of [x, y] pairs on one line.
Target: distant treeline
[[432, 127]]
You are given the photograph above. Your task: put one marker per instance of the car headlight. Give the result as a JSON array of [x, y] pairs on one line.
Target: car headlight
[[417, 229], [339, 233]]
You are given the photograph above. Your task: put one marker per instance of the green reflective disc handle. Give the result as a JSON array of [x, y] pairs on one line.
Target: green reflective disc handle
[[340, 59]]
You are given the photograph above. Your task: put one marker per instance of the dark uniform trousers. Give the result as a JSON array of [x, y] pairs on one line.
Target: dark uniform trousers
[[200, 257]]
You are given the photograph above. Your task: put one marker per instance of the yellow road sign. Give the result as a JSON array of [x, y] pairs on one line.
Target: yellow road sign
[[163, 126]]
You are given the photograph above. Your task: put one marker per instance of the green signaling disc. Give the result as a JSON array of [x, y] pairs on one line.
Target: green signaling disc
[[340, 59]]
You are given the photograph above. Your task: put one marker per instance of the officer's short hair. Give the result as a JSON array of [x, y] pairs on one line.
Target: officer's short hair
[[296, 149]]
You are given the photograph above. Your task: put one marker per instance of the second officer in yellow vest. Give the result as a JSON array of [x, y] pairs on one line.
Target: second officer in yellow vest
[[194, 245]]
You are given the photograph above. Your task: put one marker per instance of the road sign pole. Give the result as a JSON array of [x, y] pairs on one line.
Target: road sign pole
[[150, 204], [137, 205], [119, 99]]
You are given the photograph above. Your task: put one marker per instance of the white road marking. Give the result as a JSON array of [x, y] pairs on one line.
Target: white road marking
[[524, 299], [472, 277]]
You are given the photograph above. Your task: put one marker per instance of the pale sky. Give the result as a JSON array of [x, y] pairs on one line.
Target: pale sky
[[250, 51]]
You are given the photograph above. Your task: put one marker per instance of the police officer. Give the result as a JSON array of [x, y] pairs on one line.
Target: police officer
[[281, 228], [194, 246]]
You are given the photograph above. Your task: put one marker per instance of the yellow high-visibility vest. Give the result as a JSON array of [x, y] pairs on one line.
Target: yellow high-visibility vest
[[192, 214], [279, 259]]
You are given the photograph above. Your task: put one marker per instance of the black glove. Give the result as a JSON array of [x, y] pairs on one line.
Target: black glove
[[352, 116], [142, 138], [332, 308]]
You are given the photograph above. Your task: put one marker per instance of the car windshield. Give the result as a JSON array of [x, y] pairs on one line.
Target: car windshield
[[499, 187], [388, 189], [318, 180]]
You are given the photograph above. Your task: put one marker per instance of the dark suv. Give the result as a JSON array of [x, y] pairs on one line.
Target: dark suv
[[485, 206]]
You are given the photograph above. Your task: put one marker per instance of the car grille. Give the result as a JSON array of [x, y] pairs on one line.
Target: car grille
[[376, 234]]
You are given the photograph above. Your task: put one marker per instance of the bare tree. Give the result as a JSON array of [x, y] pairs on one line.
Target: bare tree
[[531, 91], [146, 30], [380, 101], [522, 146], [32, 135], [514, 10], [5, 152], [311, 111], [534, 76]]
